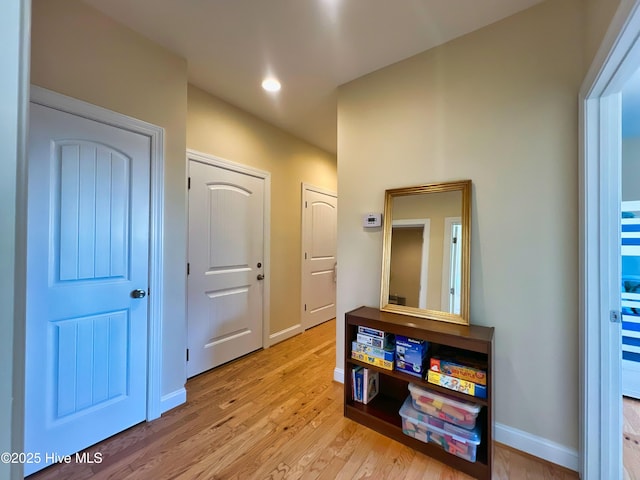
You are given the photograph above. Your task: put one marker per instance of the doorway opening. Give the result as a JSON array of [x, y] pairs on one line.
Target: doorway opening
[[600, 245]]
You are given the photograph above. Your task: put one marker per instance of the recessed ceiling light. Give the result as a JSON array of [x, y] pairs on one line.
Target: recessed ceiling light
[[271, 85]]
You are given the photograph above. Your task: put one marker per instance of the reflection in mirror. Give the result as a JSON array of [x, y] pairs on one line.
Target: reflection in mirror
[[451, 266], [426, 254], [409, 262]]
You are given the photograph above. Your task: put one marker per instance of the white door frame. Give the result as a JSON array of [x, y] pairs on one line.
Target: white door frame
[[15, 24], [425, 224], [266, 176], [446, 260], [79, 108], [599, 255]]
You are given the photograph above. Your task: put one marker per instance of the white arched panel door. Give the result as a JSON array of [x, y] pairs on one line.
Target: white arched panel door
[[319, 262], [87, 277], [226, 265]]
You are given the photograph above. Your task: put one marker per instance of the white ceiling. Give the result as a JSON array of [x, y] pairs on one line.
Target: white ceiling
[[311, 46]]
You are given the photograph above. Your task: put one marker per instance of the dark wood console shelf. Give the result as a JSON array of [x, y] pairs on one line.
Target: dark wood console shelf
[[381, 414]]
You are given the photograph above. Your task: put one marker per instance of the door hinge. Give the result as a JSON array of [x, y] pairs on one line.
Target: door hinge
[[614, 316], [305, 307], [305, 255], [187, 354], [188, 268], [305, 204], [189, 183], [455, 239]]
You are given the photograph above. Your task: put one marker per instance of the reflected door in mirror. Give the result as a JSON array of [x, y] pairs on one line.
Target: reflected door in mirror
[[406, 266]]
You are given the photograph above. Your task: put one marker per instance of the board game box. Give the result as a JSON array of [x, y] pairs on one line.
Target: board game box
[[457, 370], [378, 362], [384, 353], [411, 355], [457, 384]]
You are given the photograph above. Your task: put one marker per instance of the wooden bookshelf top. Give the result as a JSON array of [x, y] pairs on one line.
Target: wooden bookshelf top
[[474, 337]]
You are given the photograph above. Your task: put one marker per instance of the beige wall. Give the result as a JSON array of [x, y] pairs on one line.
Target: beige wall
[[498, 106], [598, 16], [217, 128], [79, 52]]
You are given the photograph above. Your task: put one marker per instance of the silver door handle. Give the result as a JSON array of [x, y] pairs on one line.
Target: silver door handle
[[260, 276], [138, 293]]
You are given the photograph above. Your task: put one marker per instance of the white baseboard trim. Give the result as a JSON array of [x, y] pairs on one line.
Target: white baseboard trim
[[173, 399], [338, 374], [285, 334], [537, 446]]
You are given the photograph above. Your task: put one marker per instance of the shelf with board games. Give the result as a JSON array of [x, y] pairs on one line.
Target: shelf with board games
[[408, 378], [386, 411]]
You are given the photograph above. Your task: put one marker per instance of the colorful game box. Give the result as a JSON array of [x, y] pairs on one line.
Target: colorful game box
[[384, 342], [378, 362], [383, 353], [459, 371], [372, 332], [457, 384], [411, 355]]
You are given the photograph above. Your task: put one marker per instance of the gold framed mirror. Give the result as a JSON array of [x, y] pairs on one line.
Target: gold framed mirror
[[426, 251]]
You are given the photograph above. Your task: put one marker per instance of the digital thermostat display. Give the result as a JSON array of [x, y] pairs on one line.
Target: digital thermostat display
[[372, 220]]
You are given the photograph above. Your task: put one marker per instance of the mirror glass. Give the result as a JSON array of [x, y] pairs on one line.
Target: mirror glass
[[426, 251]]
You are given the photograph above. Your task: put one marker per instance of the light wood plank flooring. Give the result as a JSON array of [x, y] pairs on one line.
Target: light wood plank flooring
[[275, 414], [631, 438]]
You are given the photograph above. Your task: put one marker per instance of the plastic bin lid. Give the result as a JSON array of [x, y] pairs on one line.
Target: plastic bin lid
[[469, 406], [412, 415]]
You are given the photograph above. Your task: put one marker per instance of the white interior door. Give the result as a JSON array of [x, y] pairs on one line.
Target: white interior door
[[226, 265], [319, 262], [88, 246]]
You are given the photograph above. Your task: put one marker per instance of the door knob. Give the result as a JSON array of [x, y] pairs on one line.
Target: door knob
[[138, 293], [260, 276]]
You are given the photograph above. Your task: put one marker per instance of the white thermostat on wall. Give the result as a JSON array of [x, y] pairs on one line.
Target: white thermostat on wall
[[372, 220]]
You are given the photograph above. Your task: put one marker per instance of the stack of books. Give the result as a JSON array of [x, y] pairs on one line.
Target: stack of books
[[365, 384], [374, 347]]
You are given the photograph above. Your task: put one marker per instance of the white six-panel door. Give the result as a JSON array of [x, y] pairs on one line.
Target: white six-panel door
[[319, 262], [226, 265], [88, 240]]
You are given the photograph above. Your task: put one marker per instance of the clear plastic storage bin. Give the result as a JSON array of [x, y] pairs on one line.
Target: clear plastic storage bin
[[449, 409], [424, 428]]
